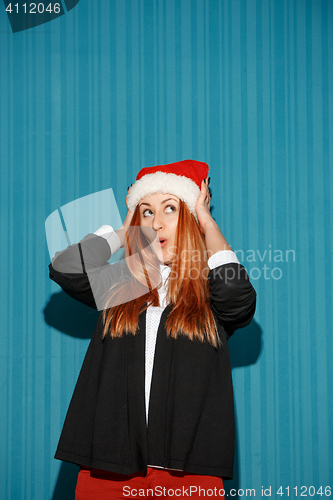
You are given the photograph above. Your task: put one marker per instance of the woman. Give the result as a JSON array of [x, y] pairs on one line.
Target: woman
[[153, 405]]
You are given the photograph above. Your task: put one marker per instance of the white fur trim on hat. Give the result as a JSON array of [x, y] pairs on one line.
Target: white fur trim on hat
[[161, 182]]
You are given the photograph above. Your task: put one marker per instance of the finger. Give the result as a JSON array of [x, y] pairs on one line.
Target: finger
[[203, 190], [128, 191], [205, 186]]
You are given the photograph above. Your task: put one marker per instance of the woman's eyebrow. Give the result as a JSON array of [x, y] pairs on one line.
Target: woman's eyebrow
[[164, 201], [168, 199]]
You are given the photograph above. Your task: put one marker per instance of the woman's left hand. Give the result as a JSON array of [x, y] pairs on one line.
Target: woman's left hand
[[202, 206]]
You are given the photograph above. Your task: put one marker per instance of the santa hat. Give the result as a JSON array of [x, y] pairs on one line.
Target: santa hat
[[183, 179]]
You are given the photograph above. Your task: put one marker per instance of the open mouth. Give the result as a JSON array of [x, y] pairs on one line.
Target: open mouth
[[161, 242]]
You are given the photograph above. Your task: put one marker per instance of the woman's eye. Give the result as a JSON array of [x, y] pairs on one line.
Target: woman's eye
[[170, 208], [146, 213]]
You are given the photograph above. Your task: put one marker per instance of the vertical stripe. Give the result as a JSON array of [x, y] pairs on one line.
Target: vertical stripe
[[327, 197]]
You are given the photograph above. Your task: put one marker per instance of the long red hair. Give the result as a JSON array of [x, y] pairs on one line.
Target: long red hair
[[188, 285]]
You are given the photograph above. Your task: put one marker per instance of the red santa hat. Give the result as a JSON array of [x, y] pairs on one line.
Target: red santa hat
[[183, 179]]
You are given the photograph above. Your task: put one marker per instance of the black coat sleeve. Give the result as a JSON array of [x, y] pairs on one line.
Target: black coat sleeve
[[74, 268], [232, 297]]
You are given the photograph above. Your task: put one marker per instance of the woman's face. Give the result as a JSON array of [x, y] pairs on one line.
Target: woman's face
[[160, 212]]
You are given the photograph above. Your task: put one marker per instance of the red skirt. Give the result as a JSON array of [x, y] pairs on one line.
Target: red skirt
[[95, 484]]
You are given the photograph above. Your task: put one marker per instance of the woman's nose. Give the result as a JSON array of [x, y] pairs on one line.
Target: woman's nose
[[157, 222]]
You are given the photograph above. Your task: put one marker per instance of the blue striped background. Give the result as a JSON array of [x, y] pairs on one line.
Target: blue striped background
[[112, 86]]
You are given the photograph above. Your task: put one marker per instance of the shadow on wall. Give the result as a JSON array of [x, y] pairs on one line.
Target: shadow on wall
[[78, 320], [66, 483], [244, 348]]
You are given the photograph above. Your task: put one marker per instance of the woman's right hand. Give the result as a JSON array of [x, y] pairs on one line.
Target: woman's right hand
[[128, 218], [126, 223]]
